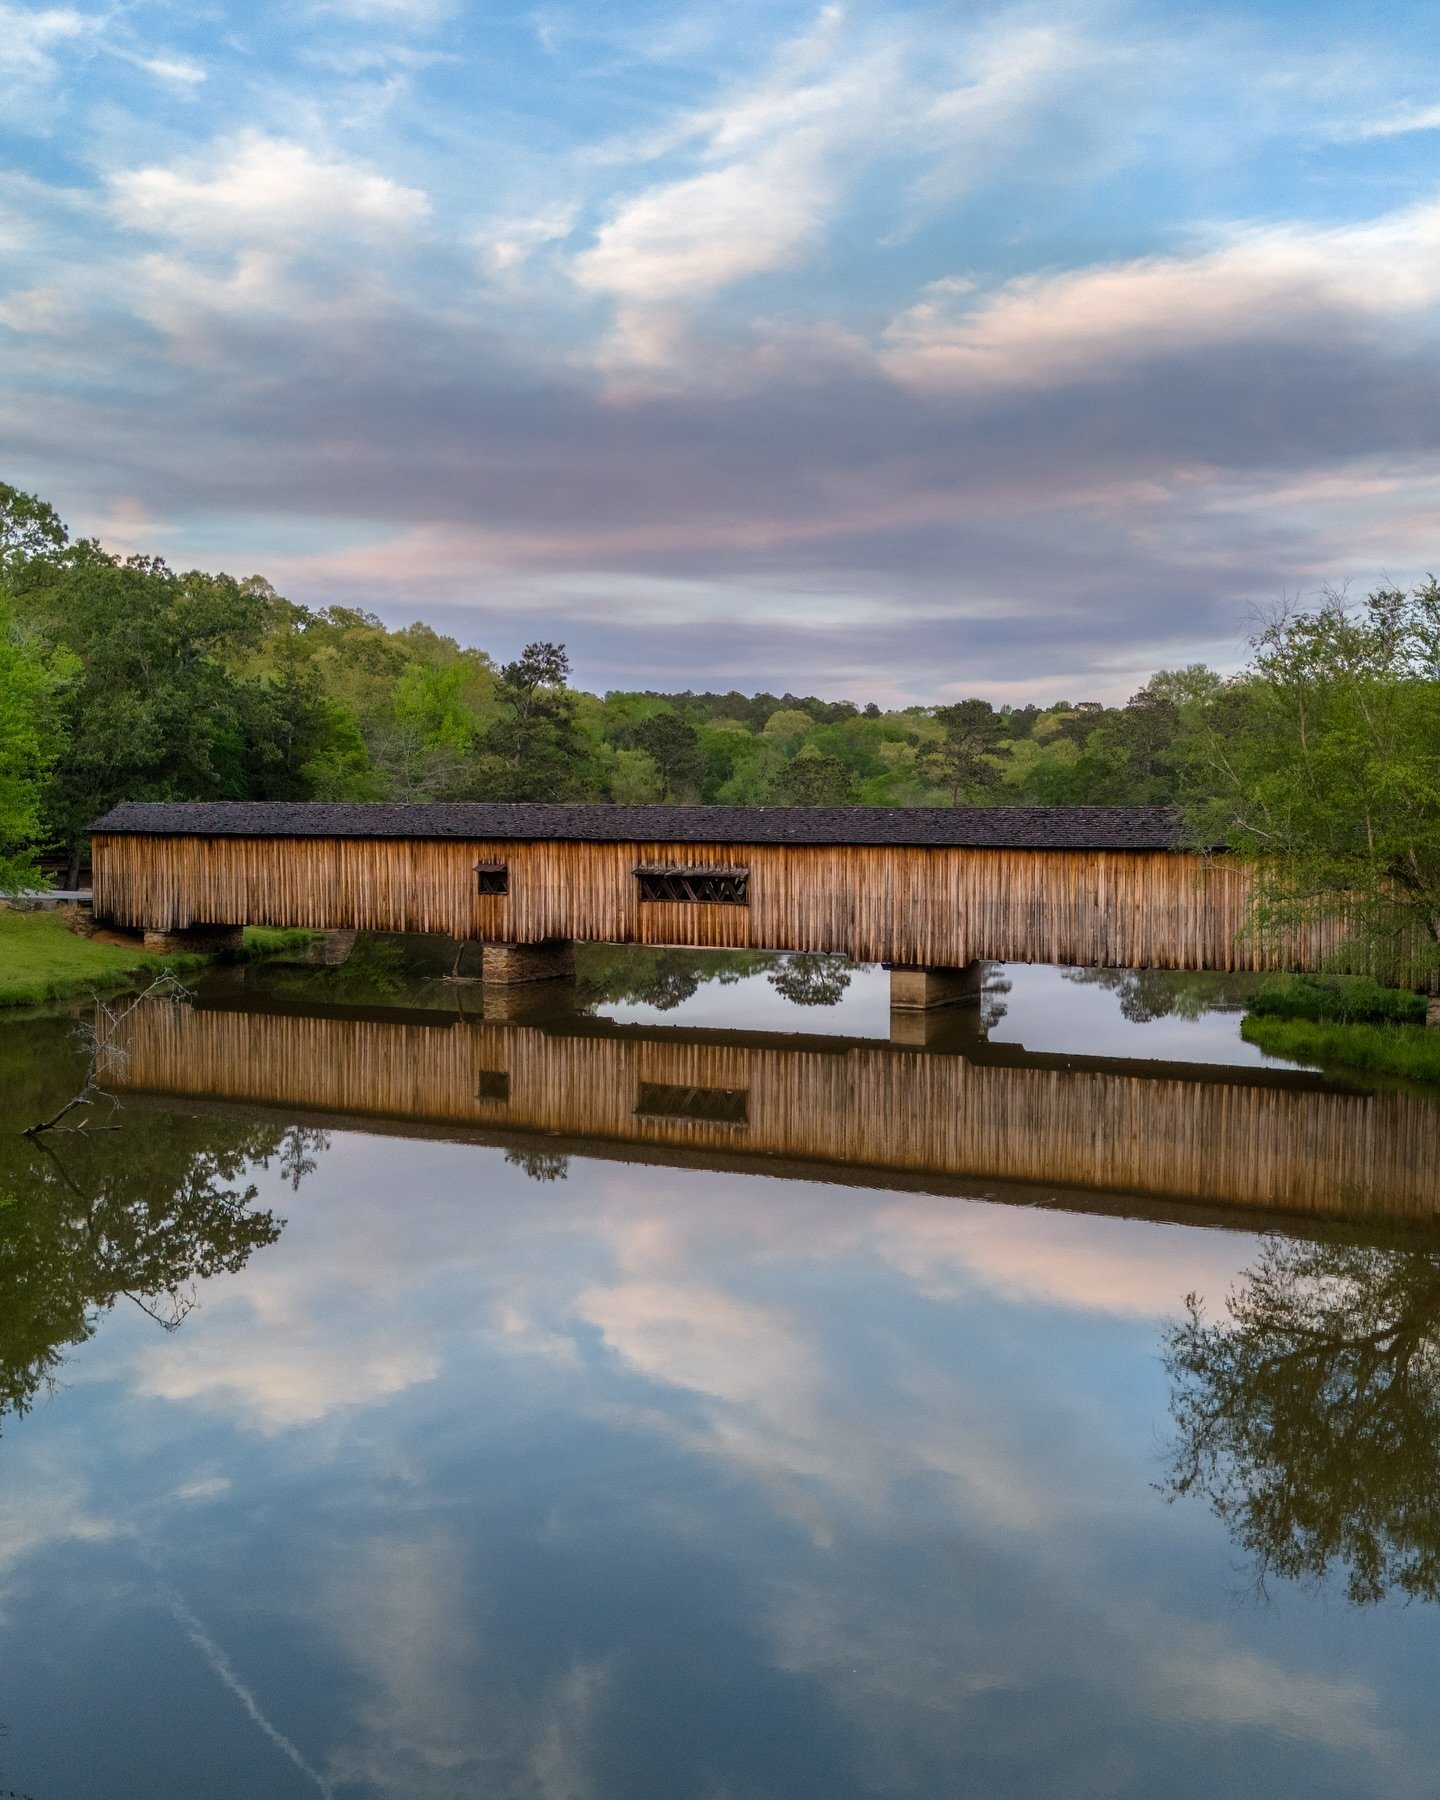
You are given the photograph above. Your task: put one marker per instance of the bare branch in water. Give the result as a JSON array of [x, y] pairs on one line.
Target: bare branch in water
[[102, 1038]]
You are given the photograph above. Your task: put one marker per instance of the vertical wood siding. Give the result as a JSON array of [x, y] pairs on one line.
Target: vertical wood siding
[[1312, 1152], [926, 907]]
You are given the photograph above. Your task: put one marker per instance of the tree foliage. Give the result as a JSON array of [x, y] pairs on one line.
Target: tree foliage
[[812, 778], [962, 760], [810, 979], [32, 682], [1322, 764], [145, 1213], [534, 750], [1309, 1416], [30, 530]]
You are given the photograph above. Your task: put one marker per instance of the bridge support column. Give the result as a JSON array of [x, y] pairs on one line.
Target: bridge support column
[[199, 938], [523, 965], [921, 990], [1432, 1011], [332, 949]]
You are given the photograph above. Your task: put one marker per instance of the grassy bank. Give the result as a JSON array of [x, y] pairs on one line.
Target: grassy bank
[[1411, 1052], [1344, 1022], [40, 960], [1336, 1000]]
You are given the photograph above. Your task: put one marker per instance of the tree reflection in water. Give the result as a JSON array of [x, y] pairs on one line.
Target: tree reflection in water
[[809, 979], [1309, 1416], [146, 1214]]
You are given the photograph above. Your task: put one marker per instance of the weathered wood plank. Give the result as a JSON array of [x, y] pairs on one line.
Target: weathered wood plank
[[923, 907], [1315, 1152]]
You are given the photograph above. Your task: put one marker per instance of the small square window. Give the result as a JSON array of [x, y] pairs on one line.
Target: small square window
[[492, 878], [492, 1084]]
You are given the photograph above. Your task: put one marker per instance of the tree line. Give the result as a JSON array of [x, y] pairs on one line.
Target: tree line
[[124, 679]]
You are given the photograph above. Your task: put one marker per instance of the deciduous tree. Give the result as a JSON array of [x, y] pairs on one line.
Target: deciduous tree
[[1322, 764], [1309, 1416]]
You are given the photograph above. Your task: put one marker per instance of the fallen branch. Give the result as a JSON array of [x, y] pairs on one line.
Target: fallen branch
[[102, 1041]]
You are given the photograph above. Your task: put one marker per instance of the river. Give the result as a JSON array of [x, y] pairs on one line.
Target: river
[[702, 1387]]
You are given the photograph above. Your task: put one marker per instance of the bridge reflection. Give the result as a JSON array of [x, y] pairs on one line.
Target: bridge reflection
[[938, 1117]]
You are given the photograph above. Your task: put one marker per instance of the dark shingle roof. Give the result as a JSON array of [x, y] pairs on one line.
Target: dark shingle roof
[[938, 827]]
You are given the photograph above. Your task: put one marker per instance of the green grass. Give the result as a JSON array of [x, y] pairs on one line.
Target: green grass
[[262, 941], [41, 960], [1336, 999], [1411, 1052]]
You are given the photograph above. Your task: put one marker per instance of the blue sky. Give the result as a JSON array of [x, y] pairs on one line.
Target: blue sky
[[897, 351]]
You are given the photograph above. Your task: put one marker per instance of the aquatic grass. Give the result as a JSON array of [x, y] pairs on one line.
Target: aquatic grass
[[1336, 999], [1409, 1052]]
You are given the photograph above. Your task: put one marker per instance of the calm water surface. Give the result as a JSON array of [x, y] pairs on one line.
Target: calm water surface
[[445, 1408]]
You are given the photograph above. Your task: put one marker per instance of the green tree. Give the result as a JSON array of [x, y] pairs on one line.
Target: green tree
[[963, 760], [31, 685], [1322, 765], [812, 779], [162, 706], [673, 745], [809, 979], [30, 530], [431, 735], [534, 751], [633, 779], [1309, 1416], [141, 1213]]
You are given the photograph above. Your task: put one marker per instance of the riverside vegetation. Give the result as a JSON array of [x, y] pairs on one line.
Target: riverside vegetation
[[121, 678]]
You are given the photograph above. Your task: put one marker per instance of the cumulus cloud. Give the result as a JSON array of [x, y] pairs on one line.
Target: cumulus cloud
[[257, 189]]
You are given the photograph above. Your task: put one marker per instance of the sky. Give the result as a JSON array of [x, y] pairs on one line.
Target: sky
[[897, 352]]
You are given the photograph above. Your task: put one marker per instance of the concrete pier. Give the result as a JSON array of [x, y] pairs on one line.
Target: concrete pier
[[921, 990]]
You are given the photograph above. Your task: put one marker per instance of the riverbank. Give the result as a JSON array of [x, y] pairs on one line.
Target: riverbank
[[1344, 1023], [40, 959]]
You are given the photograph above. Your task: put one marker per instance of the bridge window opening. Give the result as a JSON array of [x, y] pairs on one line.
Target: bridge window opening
[[707, 885], [492, 878], [493, 1084], [709, 1105]]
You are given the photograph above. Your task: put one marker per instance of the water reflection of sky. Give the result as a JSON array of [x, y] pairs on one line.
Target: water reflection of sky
[[655, 1482], [1045, 1009]]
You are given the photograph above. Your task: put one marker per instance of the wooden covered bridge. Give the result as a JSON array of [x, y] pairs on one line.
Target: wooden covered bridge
[[930, 891], [1261, 1145]]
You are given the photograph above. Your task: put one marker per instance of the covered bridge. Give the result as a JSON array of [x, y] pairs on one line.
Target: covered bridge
[[929, 891]]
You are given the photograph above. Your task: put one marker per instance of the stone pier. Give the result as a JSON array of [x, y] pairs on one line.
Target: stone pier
[[206, 939], [523, 965], [1432, 1011]]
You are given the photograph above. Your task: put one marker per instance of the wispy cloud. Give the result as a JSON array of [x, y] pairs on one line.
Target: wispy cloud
[[1265, 284], [1402, 120]]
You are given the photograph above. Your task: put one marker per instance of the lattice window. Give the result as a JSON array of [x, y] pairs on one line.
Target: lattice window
[[710, 1105], [492, 878], [705, 885]]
